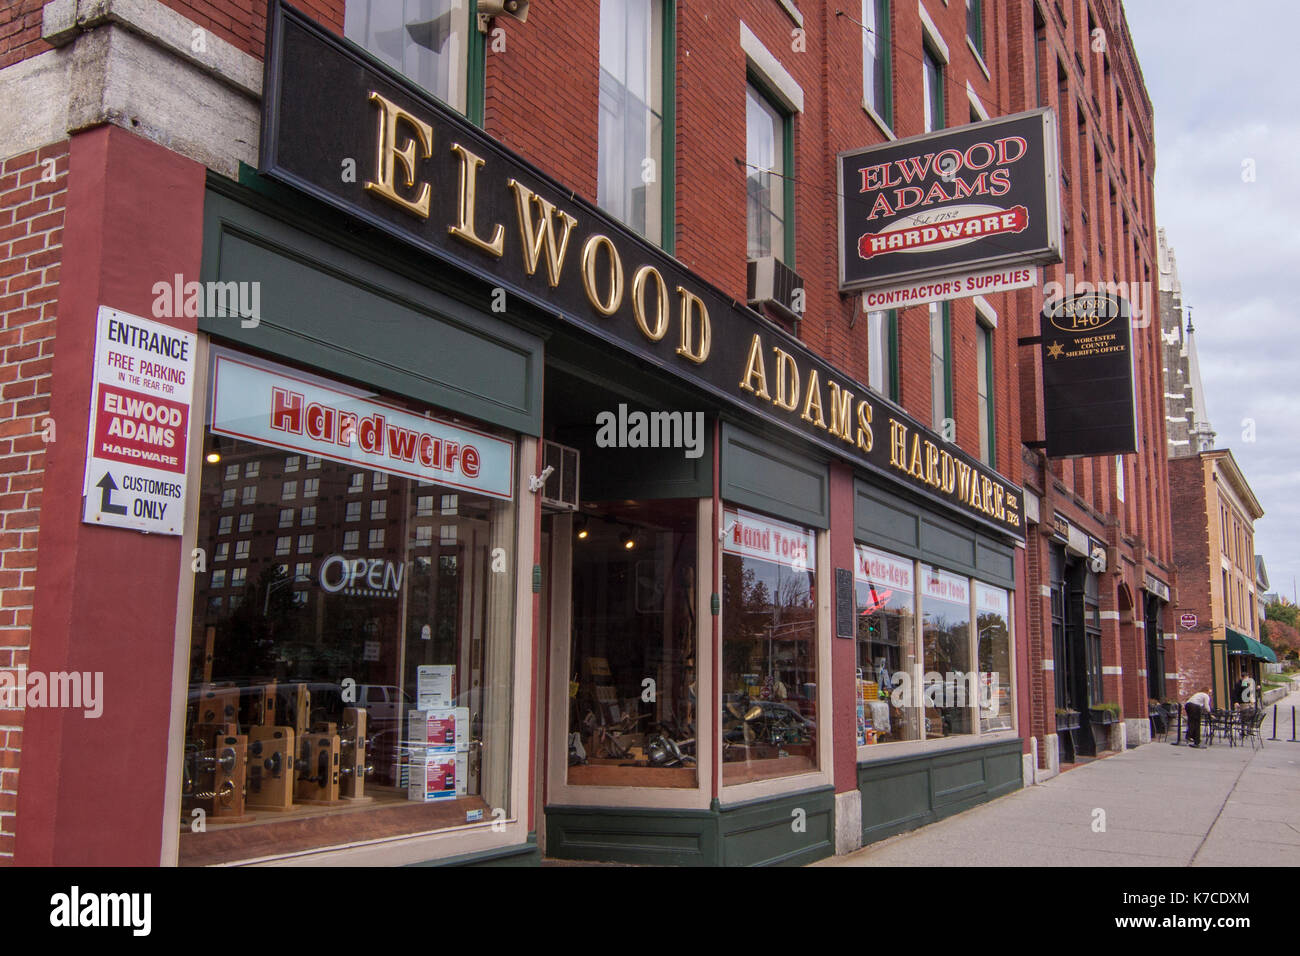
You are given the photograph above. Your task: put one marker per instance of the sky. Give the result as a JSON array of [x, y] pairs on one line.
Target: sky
[[1223, 83]]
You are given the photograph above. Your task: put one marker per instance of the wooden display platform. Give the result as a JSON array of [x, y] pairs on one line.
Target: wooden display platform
[[612, 773]]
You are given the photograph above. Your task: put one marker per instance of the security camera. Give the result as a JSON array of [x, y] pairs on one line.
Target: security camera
[[512, 8]]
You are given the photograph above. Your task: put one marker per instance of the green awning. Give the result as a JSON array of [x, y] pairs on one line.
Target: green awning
[[1239, 643]]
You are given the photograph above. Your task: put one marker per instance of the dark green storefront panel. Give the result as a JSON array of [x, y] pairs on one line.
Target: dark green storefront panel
[[896, 524], [765, 832], [779, 831], [647, 837], [908, 792], [524, 854], [335, 310], [763, 474]]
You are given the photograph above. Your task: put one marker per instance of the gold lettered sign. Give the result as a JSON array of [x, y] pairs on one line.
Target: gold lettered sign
[[435, 182]]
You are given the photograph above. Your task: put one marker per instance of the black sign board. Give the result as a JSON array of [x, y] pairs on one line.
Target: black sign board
[[846, 612], [955, 201], [434, 181], [1088, 376]]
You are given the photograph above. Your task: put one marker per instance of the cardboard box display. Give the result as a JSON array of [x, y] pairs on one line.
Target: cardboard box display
[[433, 774]]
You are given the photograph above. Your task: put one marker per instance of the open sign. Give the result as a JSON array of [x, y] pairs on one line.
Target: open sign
[[376, 575]]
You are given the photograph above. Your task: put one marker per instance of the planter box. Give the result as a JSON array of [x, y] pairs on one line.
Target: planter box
[[1103, 717], [1068, 721]]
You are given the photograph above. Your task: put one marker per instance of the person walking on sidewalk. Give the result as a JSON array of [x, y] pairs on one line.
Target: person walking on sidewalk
[[1198, 706]]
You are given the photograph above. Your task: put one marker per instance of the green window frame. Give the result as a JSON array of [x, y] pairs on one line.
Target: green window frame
[[394, 43], [932, 90], [786, 134], [876, 36], [940, 363], [888, 334], [664, 231], [975, 25], [988, 418]]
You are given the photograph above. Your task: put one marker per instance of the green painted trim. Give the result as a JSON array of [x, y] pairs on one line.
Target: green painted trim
[[754, 833], [668, 233], [904, 793], [884, 520], [883, 44], [976, 38], [476, 70], [772, 477], [991, 415], [523, 854], [787, 162], [947, 359], [893, 355], [316, 282]]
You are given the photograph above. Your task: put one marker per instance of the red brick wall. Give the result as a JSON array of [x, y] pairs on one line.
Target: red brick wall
[[1194, 527], [31, 237], [20, 31]]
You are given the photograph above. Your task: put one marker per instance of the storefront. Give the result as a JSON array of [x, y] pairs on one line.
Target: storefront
[[504, 533]]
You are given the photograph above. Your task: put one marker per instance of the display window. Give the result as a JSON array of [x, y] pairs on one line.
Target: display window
[[949, 695], [633, 684], [362, 688], [769, 648], [993, 621], [888, 662]]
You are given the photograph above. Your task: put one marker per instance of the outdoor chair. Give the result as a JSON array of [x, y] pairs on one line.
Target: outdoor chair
[[1217, 722], [1251, 722]]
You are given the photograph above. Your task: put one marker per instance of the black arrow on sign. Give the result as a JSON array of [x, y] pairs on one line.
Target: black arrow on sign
[[106, 498]]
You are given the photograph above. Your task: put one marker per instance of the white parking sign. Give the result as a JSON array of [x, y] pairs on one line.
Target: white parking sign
[[136, 453]]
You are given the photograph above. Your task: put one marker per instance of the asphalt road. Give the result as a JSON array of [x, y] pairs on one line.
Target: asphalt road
[[1154, 805]]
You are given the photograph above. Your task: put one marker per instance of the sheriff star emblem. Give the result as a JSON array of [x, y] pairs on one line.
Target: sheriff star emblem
[[1055, 349]]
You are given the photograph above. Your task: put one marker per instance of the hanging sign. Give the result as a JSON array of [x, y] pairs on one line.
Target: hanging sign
[[1088, 404], [754, 536], [951, 204], [136, 457]]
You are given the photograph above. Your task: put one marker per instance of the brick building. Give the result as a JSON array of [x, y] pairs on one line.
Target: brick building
[[1214, 515], [643, 657], [1100, 555], [1187, 423]]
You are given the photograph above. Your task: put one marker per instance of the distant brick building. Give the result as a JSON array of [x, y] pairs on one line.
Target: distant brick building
[[1214, 514]]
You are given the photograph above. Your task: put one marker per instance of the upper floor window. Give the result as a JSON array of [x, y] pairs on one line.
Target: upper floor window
[[940, 369], [876, 91], [882, 353], [932, 90], [632, 181], [975, 24], [425, 40], [984, 389], [768, 151]]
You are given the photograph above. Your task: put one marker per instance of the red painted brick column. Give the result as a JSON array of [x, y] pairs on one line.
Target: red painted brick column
[[92, 789]]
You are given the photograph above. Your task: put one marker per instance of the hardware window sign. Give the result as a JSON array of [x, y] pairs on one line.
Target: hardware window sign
[[888, 663], [769, 648], [305, 679], [945, 640]]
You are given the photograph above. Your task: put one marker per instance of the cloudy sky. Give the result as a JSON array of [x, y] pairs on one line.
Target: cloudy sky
[[1223, 82]]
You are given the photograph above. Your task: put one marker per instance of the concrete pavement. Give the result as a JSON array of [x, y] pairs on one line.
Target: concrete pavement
[[1155, 805]]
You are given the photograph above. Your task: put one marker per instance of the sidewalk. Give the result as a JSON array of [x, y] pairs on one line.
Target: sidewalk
[[1163, 806]]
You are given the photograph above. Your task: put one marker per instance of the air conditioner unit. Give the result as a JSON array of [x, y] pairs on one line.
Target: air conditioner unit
[[561, 489], [772, 283]]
